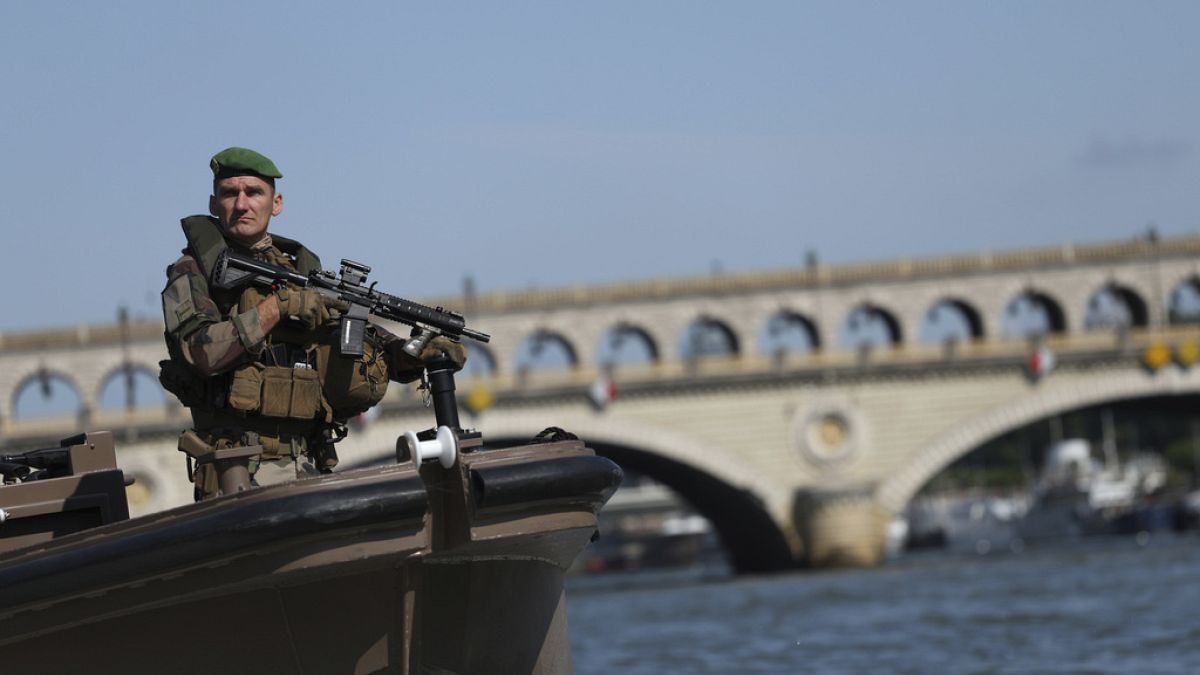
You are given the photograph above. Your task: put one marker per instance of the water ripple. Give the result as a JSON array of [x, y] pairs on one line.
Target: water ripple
[[1106, 607]]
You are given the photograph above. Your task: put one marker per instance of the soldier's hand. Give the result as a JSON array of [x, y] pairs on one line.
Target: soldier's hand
[[404, 368], [441, 346], [303, 305]]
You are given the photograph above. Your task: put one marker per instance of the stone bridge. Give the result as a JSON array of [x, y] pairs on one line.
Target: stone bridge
[[797, 409]]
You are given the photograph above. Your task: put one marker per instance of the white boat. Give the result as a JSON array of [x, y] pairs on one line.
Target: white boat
[[1079, 494]]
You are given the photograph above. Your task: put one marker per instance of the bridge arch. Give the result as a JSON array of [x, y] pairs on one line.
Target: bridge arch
[[783, 329], [896, 491], [959, 311], [870, 324], [748, 510], [46, 378], [1033, 312], [1183, 300], [143, 372], [708, 336], [614, 347], [752, 540], [545, 349], [1115, 305]]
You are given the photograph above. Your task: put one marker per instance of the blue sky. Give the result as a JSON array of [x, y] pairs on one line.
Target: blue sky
[[551, 144]]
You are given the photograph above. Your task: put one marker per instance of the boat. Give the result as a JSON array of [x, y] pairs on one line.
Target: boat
[[976, 521], [1077, 494], [450, 560]]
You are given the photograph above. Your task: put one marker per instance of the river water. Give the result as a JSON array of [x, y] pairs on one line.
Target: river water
[[1112, 605]]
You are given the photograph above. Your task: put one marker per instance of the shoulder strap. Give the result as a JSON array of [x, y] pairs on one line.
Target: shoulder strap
[[205, 241], [306, 260]]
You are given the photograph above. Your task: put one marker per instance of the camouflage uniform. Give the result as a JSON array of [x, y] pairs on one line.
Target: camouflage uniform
[[287, 389], [211, 335]]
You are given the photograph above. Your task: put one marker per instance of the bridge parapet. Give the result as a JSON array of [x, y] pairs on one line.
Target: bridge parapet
[[1031, 260]]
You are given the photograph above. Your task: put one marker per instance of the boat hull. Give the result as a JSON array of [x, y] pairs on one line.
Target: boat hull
[[393, 569]]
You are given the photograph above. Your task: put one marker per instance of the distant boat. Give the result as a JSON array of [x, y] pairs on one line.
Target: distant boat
[[647, 526], [982, 523], [1078, 494]]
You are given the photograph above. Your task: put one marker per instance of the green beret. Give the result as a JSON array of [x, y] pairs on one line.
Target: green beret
[[240, 162]]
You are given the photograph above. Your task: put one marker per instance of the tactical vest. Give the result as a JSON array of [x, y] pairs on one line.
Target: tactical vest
[[299, 375], [206, 242]]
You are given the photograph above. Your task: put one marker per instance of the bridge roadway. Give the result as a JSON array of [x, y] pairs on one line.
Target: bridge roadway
[[796, 458]]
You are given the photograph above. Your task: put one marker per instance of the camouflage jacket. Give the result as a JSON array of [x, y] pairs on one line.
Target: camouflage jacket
[[207, 331]]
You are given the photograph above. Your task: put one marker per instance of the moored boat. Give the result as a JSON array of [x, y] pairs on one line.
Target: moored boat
[[1079, 495]]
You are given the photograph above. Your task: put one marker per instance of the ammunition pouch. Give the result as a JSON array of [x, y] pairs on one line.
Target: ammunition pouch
[[353, 384], [277, 391], [245, 388]]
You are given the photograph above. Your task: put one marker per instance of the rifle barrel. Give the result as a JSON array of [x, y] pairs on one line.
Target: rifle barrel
[[476, 335]]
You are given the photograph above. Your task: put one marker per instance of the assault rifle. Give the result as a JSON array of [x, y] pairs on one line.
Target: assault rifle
[[348, 285]]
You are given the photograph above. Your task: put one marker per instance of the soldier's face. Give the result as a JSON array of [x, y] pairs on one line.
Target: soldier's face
[[244, 205]]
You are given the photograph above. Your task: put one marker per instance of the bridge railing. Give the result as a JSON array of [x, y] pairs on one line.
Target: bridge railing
[[834, 275]]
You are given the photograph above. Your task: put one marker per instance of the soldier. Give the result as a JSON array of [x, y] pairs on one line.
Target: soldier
[[262, 367]]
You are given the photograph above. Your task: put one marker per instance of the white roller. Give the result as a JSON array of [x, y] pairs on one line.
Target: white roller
[[444, 448]]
